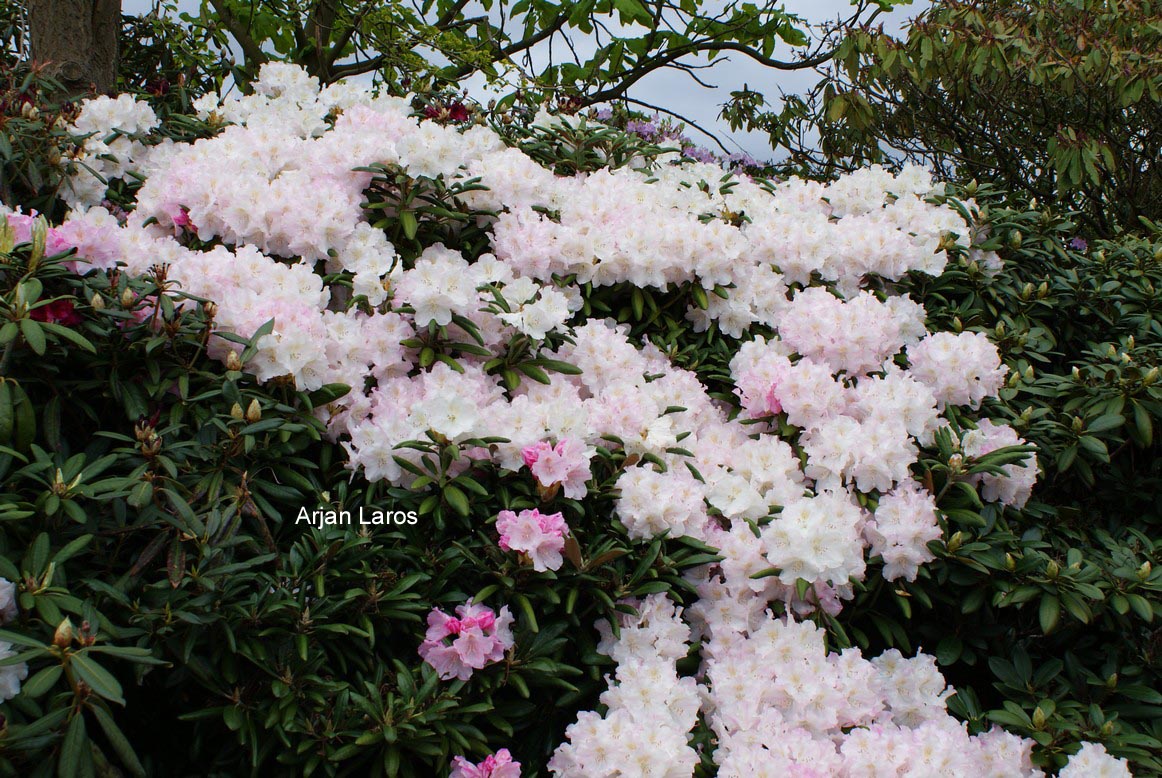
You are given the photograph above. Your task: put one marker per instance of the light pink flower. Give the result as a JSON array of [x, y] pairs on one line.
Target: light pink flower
[[540, 536], [566, 464], [498, 765], [773, 404]]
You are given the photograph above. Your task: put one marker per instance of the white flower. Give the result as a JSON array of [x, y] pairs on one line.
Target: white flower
[[8, 607], [10, 675]]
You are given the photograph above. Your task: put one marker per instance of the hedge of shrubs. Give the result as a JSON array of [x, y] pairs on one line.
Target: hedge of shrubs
[[675, 472]]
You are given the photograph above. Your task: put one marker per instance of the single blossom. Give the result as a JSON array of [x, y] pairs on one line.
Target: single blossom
[[498, 765], [565, 464], [474, 638], [57, 312], [538, 535]]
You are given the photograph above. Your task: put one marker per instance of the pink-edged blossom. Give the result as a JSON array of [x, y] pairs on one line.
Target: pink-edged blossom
[[498, 765], [538, 535], [566, 464], [473, 638]]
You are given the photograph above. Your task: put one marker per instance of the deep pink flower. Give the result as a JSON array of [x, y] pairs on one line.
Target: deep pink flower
[[457, 646], [57, 312], [498, 765]]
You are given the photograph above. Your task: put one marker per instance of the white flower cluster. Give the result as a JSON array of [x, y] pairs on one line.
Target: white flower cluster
[[1016, 485], [960, 369], [650, 709], [855, 373], [1092, 761], [112, 149], [903, 526]]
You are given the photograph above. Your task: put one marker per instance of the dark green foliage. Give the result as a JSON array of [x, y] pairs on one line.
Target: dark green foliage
[[1049, 620]]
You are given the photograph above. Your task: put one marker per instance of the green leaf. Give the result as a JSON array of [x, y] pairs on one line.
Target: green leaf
[[72, 549], [33, 335], [407, 220], [949, 650], [1048, 612], [98, 678], [42, 681], [74, 337], [458, 501], [1143, 425], [1141, 606], [118, 741], [74, 749], [259, 334]]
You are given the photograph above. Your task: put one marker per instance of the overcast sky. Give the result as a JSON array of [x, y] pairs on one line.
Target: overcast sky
[[676, 91]]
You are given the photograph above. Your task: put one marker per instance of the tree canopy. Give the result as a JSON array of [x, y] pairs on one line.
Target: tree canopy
[[1060, 100], [570, 54]]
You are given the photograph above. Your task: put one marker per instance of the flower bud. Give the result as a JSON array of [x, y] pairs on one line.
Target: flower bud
[[1027, 291], [233, 361], [98, 302], [58, 486], [1043, 290], [955, 542], [253, 411], [1015, 239], [236, 412], [64, 634], [128, 298], [39, 241], [1107, 729], [1052, 570], [1038, 718], [1000, 329], [1078, 425], [1150, 377], [1112, 681], [1010, 563], [211, 309], [1144, 571], [1028, 375]]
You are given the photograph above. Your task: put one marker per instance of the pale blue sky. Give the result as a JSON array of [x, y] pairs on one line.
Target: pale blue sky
[[677, 92]]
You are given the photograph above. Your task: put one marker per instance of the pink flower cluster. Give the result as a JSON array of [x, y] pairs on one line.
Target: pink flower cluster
[[93, 234], [539, 536], [470, 640], [565, 465], [498, 765]]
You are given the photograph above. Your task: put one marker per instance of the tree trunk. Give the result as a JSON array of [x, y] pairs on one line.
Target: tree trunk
[[76, 41]]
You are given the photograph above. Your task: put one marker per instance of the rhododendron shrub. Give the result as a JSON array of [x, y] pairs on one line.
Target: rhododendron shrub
[[704, 392]]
